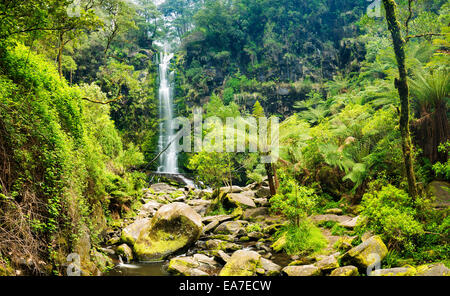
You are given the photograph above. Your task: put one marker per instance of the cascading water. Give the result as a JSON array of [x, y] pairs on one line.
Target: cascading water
[[169, 158]]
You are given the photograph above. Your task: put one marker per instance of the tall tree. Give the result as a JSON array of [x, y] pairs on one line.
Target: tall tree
[[402, 86]]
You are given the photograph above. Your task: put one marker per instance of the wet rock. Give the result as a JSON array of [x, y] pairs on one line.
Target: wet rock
[[434, 269], [349, 270], [217, 244], [125, 251], [367, 253], [304, 270], [397, 271], [270, 268], [131, 233], [185, 266], [242, 263], [174, 227]]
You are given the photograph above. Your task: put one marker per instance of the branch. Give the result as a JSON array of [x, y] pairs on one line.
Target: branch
[[422, 35], [103, 103], [409, 16]]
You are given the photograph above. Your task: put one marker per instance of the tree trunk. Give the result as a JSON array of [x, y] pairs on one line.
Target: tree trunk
[[269, 171], [60, 51], [402, 86]]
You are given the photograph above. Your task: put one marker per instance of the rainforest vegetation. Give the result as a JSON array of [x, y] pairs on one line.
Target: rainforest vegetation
[[361, 98]]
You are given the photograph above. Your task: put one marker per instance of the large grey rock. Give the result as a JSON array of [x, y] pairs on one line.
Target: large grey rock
[[242, 263], [174, 227], [162, 187], [185, 266], [350, 224], [271, 269], [327, 263], [230, 227], [255, 212], [397, 271], [201, 206], [242, 199], [303, 270], [434, 269], [131, 233]]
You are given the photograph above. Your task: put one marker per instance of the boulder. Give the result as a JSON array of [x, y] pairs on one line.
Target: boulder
[[222, 256], [261, 202], [397, 271], [125, 251], [219, 218], [348, 270], [174, 227], [330, 217], [217, 244], [201, 206], [242, 200], [131, 233], [303, 270], [327, 263], [162, 187], [279, 244], [263, 192], [233, 189], [434, 269], [255, 212], [242, 263], [149, 208], [368, 252], [441, 191], [185, 266], [271, 269], [210, 226], [230, 227], [350, 224]]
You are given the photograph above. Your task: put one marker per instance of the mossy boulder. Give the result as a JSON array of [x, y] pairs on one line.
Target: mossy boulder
[[174, 227], [279, 244], [349, 270], [271, 269], [434, 269], [367, 253], [242, 263], [303, 270], [397, 271], [125, 251], [327, 263], [185, 266], [231, 227], [131, 233], [217, 244]]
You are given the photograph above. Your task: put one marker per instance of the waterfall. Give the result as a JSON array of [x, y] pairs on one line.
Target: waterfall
[[168, 159]]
